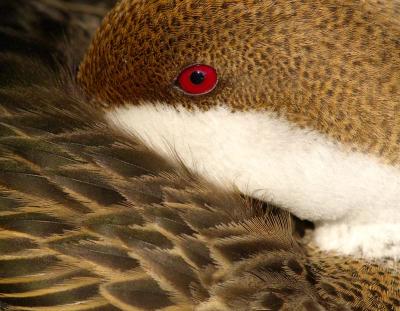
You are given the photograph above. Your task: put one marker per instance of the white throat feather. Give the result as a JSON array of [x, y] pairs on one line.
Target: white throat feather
[[353, 197]]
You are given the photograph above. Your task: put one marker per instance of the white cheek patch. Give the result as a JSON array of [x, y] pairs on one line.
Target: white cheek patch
[[271, 159]]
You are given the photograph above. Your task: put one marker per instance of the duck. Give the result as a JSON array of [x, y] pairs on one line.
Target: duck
[[93, 217], [295, 103]]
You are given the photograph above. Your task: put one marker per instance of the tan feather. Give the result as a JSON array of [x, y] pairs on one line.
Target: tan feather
[[92, 220]]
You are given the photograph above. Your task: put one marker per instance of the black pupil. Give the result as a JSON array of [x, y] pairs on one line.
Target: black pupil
[[197, 77]]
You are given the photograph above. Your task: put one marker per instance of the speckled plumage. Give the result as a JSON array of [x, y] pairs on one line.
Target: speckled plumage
[[93, 220], [332, 66], [305, 113]]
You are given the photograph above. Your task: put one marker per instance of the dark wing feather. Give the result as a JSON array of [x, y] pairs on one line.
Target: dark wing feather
[[92, 220]]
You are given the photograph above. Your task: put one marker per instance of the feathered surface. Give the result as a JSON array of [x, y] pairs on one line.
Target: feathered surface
[[93, 220]]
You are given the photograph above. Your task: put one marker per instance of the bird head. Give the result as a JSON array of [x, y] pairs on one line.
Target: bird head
[[295, 102]]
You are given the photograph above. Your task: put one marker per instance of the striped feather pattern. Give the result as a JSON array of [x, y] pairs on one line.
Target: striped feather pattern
[[92, 220]]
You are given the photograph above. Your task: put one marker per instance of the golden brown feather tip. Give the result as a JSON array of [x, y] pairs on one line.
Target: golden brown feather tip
[[93, 220]]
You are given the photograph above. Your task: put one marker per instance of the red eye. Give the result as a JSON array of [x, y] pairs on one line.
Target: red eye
[[198, 79]]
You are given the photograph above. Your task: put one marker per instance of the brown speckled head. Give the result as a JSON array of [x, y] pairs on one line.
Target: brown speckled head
[[306, 113], [331, 65]]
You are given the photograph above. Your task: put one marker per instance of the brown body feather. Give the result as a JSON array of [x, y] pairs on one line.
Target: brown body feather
[[92, 220]]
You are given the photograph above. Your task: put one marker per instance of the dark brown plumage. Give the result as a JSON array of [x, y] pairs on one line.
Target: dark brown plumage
[[93, 220]]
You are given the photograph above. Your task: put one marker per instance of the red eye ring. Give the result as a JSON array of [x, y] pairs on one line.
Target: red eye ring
[[197, 79]]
